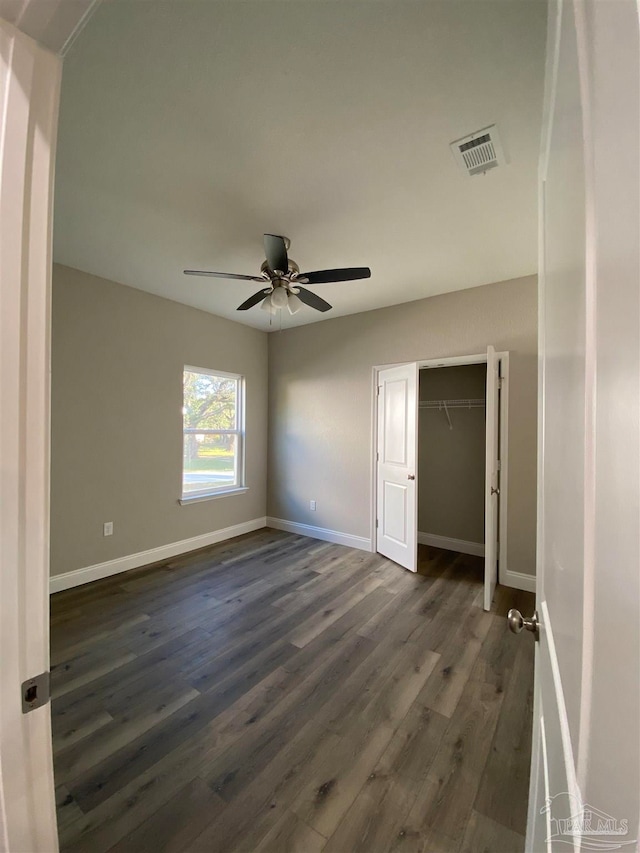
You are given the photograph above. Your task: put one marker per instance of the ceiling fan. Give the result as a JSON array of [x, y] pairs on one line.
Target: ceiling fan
[[284, 279]]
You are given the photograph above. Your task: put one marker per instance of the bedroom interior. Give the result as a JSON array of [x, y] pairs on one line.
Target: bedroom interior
[[268, 533], [211, 640]]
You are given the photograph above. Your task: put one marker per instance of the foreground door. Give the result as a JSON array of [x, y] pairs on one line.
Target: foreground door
[[29, 85], [491, 480], [586, 755], [397, 511]]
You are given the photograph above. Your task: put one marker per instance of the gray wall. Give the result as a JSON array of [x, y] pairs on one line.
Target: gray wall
[[320, 401], [117, 362], [118, 355], [451, 462]]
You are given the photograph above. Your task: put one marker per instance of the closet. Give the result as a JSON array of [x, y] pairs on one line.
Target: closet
[[440, 459], [451, 457]]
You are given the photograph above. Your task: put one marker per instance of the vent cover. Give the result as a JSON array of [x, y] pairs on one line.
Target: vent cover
[[479, 152]]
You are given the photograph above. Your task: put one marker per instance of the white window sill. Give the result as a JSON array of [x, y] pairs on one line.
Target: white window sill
[[213, 496]]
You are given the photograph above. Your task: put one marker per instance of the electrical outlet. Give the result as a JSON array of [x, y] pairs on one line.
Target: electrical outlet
[[107, 528], [312, 505]]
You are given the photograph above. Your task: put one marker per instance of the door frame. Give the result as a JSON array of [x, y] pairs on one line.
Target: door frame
[[452, 361]]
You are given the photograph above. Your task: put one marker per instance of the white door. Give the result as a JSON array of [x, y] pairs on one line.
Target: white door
[[586, 751], [397, 489], [29, 89], [491, 479]]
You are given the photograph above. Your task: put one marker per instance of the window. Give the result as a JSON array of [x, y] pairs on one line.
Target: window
[[213, 433]]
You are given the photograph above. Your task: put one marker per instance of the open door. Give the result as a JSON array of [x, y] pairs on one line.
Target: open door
[[397, 508], [492, 474], [29, 94], [586, 740]]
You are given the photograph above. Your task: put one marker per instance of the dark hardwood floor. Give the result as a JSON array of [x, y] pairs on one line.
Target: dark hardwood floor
[[276, 693]]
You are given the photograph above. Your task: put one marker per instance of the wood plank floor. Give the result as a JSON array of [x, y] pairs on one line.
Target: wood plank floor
[[276, 693]]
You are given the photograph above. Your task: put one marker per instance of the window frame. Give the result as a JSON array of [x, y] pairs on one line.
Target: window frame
[[240, 485]]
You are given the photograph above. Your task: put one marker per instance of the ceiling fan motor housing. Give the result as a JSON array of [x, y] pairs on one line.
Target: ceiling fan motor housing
[[294, 269]]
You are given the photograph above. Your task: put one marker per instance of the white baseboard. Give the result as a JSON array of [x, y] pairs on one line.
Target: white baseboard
[[123, 564], [474, 548], [321, 533], [518, 580], [57, 583]]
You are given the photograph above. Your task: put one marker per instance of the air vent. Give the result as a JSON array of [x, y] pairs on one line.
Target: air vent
[[479, 152]]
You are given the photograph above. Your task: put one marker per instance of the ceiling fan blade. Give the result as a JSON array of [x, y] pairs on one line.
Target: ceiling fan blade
[[251, 301], [312, 299], [327, 276], [224, 275], [275, 250]]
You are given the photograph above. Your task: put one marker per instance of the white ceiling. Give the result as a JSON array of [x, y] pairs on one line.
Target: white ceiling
[[190, 127]]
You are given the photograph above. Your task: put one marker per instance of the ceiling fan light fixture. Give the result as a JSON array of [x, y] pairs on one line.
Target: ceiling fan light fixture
[[267, 306], [279, 297], [294, 304]]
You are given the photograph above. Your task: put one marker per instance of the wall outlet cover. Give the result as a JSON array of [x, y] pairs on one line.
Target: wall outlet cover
[[312, 505], [107, 528]]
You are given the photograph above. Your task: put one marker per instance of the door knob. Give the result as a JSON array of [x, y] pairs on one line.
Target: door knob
[[495, 491], [517, 622], [411, 476]]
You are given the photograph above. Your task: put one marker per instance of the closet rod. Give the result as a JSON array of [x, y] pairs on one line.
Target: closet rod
[[452, 404]]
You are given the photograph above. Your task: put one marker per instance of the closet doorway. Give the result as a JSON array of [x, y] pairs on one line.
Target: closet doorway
[[440, 460]]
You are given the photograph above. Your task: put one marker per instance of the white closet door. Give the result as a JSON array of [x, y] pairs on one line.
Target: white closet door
[[397, 515], [492, 475]]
